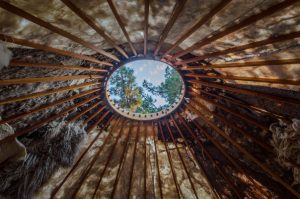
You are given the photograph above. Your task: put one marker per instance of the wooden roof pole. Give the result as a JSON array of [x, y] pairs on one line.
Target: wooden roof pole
[[93, 25], [97, 122], [157, 162], [200, 165], [58, 187], [46, 106], [121, 24], [215, 165], [247, 92], [178, 191], [111, 154], [262, 144], [145, 161], [47, 92], [15, 63], [86, 121], [90, 166], [146, 24], [200, 23], [270, 40], [239, 103], [252, 79], [24, 42], [181, 159], [246, 153], [250, 20], [47, 79], [231, 160], [95, 157], [22, 13], [122, 160], [175, 14], [133, 159], [246, 118], [46, 120], [76, 117], [270, 63]]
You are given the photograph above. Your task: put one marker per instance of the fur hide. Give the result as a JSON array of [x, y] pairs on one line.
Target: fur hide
[[286, 142], [5, 56], [13, 150], [50, 148]]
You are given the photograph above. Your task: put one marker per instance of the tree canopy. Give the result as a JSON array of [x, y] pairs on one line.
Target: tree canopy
[[169, 89], [140, 99]]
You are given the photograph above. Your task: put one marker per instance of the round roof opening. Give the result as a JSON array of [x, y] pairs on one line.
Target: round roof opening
[[145, 89]]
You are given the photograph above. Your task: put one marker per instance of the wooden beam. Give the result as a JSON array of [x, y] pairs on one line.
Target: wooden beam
[[206, 18], [24, 42], [240, 103], [244, 64], [110, 156], [249, 156], [252, 79], [97, 122], [213, 161], [76, 117], [46, 106], [250, 136], [15, 63], [92, 163], [270, 40], [95, 157], [246, 118], [47, 79], [175, 14], [181, 158], [265, 146], [246, 22], [121, 24], [157, 163], [145, 161], [93, 25], [133, 160], [22, 13], [146, 24], [178, 190], [247, 92], [122, 160], [200, 165], [231, 160], [47, 92], [58, 187], [100, 109], [46, 120]]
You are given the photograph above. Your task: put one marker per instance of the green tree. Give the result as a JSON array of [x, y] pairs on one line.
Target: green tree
[[169, 89], [123, 85], [148, 105]]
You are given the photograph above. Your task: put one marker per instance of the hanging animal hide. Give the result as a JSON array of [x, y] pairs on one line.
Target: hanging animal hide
[[286, 141], [50, 148], [12, 150], [5, 56]]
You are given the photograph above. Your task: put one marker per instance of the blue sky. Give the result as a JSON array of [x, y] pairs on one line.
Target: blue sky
[[152, 71]]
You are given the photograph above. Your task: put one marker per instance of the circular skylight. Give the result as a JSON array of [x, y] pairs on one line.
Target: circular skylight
[[145, 89]]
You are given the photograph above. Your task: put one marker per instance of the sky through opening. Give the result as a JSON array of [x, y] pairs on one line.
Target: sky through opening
[[145, 86]]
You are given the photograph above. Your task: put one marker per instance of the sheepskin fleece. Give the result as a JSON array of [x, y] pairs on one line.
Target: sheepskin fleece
[[286, 141], [12, 150], [49, 148], [5, 56]]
